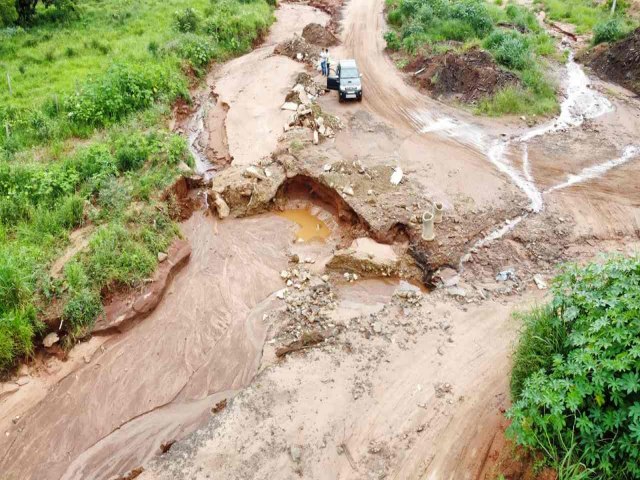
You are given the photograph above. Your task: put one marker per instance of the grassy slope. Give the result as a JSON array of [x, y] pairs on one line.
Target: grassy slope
[[585, 14], [114, 91], [429, 26], [107, 31]]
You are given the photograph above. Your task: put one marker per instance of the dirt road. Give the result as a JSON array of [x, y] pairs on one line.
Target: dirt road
[[406, 385]]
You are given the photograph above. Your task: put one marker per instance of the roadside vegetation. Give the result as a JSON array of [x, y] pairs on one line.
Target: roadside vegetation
[[576, 375], [607, 21], [85, 94], [511, 34]]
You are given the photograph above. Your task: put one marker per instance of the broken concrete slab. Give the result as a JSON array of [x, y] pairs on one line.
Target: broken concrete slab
[[366, 257]]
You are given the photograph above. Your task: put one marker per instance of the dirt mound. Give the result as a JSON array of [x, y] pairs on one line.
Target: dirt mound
[[298, 49], [618, 62], [318, 35], [468, 76]]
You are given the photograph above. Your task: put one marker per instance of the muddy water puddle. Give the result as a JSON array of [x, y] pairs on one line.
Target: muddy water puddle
[[310, 227]]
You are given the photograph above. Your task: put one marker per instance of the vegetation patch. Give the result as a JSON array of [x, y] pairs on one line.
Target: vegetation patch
[[576, 374], [511, 34], [85, 91], [607, 21]]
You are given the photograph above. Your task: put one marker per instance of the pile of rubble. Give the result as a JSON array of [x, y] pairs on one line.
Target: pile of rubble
[[319, 35], [299, 49], [309, 299], [306, 114]]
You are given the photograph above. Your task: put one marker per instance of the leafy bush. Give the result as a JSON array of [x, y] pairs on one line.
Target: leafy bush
[[393, 41], [510, 49], [608, 31], [580, 386], [122, 90], [197, 50], [17, 329], [186, 20], [81, 310], [131, 151], [115, 256]]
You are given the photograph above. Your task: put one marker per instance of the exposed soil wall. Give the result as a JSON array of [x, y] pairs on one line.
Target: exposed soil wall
[[618, 62], [468, 76]]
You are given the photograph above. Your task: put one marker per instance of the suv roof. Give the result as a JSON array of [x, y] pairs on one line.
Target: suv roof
[[350, 63]]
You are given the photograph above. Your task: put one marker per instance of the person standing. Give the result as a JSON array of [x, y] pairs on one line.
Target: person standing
[[323, 62], [326, 52]]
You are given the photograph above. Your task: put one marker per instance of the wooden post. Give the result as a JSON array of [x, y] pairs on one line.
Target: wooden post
[[613, 7], [9, 83]]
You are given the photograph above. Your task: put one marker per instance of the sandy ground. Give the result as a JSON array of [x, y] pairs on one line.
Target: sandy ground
[[400, 389], [255, 83]]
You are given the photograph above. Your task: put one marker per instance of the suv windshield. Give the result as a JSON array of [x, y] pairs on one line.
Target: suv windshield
[[349, 73]]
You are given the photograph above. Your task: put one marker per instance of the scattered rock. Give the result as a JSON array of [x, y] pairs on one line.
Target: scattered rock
[[505, 275], [296, 453], [162, 256], [457, 292], [539, 281], [221, 206], [254, 172], [50, 340], [348, 190]]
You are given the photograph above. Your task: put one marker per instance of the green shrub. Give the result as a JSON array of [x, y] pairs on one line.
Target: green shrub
[[523, 18], [608, 31], [543, 335], [17, 329], [113, 197], [580, 387], [510, 49], [14, 286], [122, 90], [473, 13], [131, 152], [186, 20], [197, 50], [81, 310], [69, 212], [114, 256], [393, 41]]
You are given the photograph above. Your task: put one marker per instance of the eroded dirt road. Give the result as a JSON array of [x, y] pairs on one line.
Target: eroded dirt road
[[406, 384]]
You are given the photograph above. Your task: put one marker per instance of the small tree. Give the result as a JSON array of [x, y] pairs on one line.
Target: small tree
[[8, 13], [26, 9]]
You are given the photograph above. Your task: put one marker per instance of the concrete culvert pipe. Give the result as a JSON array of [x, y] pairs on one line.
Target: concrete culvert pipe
[[427, 227], [438, 210]]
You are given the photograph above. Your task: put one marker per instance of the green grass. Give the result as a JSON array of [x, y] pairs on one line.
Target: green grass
[[592, 17], [576, 373], [115, 58], [83, 140], [430, 26]]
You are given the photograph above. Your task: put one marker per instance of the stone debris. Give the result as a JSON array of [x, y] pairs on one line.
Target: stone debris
[[539, 281], [366, 257], [162, 256], [51, 339], [508, 274], [255, 172], [221, 206]]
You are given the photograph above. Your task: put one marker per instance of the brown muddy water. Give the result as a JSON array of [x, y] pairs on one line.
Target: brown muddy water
[[310, 227]]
